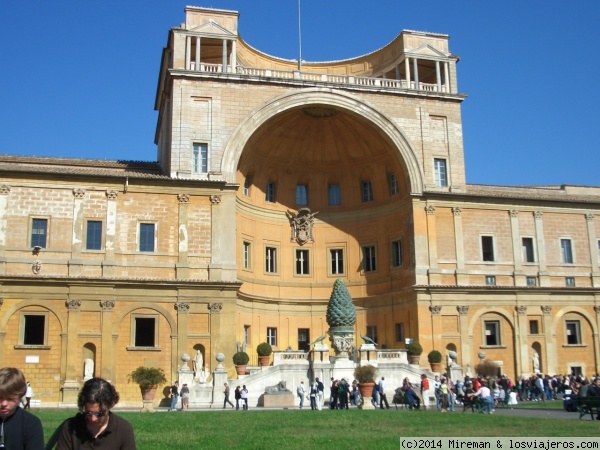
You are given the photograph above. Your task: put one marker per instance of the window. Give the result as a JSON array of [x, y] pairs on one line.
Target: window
[[531, 281], [441, 176], [487, 248], [272, 336], [492, 332], [573, 332], [270, 194], [146, 237], [334, 195], [528, 255], [145, 331], [534, 327], [399, 332], [247, 335], [39, 231], [396, 253], [366, 191], [301, 195], [336, 258], [200, 158], [270, 260], [566, 251], [372, 332], [34, 329], [393, 183], [304, 339], [570, 281], [369, 260], [576, 371], [302, 265], [93, 237], [246, 255], [247, 184], [490, 280]]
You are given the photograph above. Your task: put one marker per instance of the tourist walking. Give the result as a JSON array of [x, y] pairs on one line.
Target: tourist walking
[[244, 395], [301, 393], [174, 396], [226, 399]]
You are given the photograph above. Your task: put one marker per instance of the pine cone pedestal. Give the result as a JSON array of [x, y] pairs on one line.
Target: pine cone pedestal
[[342, 339]]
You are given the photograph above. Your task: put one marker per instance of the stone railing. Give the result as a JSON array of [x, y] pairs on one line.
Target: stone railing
[[290, 357], [381, 357], [319, 78]]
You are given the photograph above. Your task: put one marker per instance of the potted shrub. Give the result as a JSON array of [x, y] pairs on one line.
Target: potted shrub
[[435, 360], [414, 352], [264, 351], [240, 359], [365, 375], [148, 378]]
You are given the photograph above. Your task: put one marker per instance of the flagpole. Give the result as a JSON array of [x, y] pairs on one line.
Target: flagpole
[[299, 41]]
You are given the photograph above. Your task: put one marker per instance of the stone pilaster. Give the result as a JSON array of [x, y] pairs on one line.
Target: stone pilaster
[[70, 388], [4, 197], [541, 248], [108, 363], [183, 317], [551, 355], [183, 266], [76, 263], [434, 275], [109, 264], [465, 344], [459, 244], [593, 246], [521, 345]]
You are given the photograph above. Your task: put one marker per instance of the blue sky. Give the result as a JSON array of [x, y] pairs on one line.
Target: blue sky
[[79, 77]]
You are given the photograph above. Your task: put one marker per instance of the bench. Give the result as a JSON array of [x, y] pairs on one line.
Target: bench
[[586, 405], [400, 399]]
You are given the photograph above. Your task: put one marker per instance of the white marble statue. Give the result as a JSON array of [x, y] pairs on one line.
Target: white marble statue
[[88, 369], [198, 364], [535, 359]]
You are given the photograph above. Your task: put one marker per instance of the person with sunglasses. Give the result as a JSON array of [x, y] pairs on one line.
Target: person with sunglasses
[[96, 427], [19, 429]]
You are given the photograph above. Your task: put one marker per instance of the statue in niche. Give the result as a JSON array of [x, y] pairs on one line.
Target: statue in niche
[[88, 369], [535, 360], [198, 364]]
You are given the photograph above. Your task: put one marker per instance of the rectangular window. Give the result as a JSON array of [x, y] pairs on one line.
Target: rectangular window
[[247, 184], [490, 280], [302, 262], [146, 237], [492, 332], [566, 251], [246, 255], [270, 260], [399, 332], [39, 232], [573, 332], [534, 327], [144, 331], [570, 281], [34, 329], [334, 195], [301, 195], [304, 339], [247, 335], [372, 332], [528, 255], [393, 183], [336, 258], [369, 259], [200, 158], [396, 253], [270, 194], [487, 248], [272, 337], [366, 191], [441, 176], [93, 237], [531, 281]]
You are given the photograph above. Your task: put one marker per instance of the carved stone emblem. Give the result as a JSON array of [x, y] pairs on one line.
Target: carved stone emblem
[[301, 225], [215, 308], [36, 267]]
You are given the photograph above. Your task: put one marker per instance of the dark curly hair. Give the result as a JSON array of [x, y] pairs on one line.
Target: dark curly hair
[[100, 391]]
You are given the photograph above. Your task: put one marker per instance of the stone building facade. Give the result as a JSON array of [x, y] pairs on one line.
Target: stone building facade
[[273, 181]]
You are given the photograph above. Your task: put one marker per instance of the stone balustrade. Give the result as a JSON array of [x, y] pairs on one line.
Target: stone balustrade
[[290, 357]]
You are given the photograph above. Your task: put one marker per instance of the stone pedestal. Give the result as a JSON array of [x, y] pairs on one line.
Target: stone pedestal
[[278, 400], [366, 403], [342, 339], [455, 372], [70, 391]]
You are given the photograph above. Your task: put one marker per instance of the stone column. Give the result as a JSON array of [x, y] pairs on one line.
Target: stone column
[[436, 325], [107, 362], [183, 267], [438, 77], [183, 317], [109, 264], [551, 362], [407, 69], [465, 344], [416, 72], [597, 341], [541, 248], [224, 55], [434, 275], [233, 56], [217, 333], [421, 246], [198, 53], [76, 263], [521, 346], [188, 52], [447, 77], [4, 191], [70, 388], [459, 245], [518, 274], [593, 242]]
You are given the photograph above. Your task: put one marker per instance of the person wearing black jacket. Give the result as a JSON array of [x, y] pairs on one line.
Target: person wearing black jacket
[[19, 430]]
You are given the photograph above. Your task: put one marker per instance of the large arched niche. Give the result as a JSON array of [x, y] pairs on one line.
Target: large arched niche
[[322, 101]]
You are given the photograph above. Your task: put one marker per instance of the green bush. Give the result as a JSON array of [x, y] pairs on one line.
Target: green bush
[[414, 349], [434, 356], [264, 349], [241, 358], [365, 374], [148, 376]]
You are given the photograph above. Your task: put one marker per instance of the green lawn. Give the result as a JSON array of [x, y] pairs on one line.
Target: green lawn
[[353, 429]]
